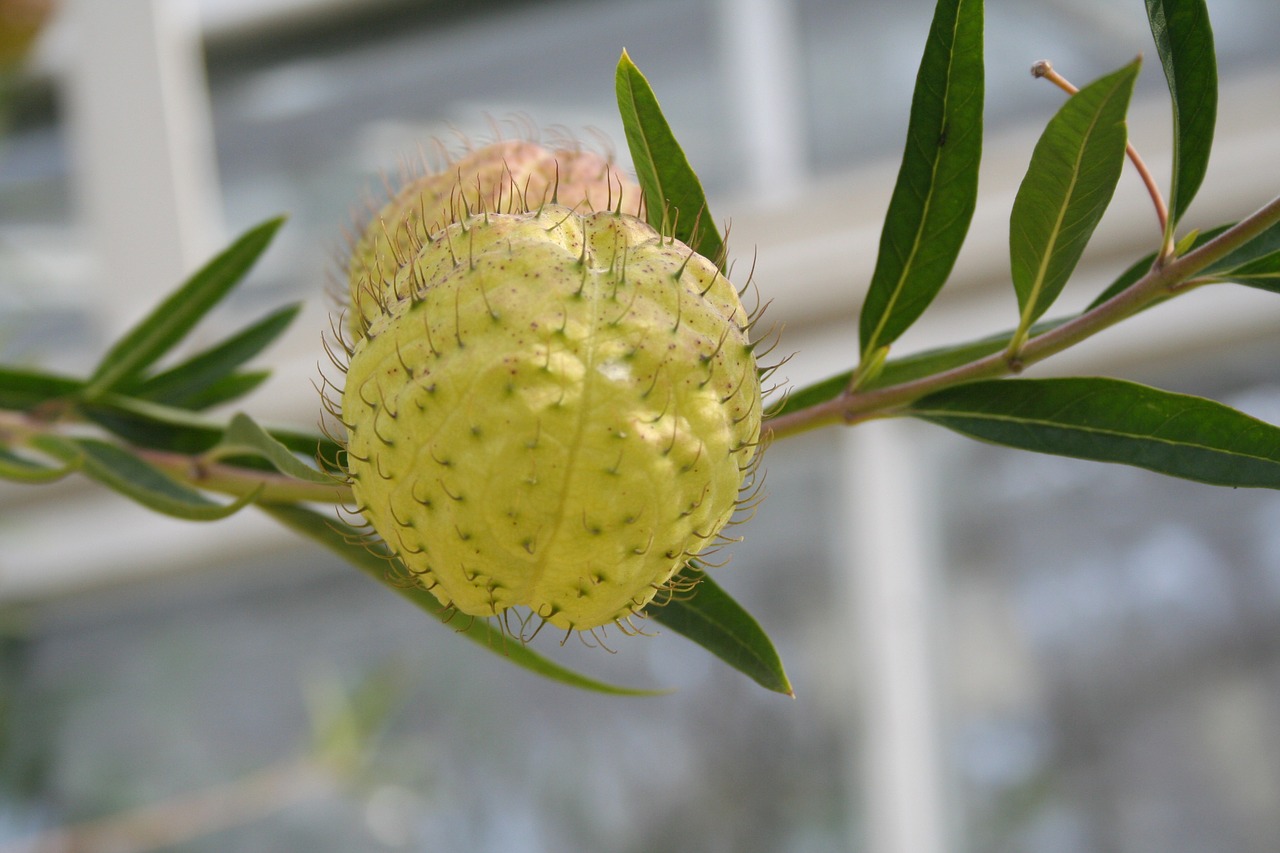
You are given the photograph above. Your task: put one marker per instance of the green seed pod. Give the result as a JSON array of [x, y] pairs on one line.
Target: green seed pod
[[504, 177], [555, 413]]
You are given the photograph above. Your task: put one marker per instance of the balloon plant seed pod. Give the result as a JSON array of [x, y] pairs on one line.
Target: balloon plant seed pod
[[550, 411], [508, 176]]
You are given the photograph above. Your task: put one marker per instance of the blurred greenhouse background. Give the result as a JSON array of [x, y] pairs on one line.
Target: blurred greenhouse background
[[991, 651]]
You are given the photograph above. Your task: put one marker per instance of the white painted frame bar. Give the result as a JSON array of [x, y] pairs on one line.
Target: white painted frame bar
[[141, 139], [889, 547], [760, 49]]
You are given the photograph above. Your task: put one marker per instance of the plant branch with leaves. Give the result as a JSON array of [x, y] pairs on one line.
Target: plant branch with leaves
[[146, 431]]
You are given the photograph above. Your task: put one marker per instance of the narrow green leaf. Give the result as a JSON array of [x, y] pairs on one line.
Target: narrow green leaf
[[25, 389], [674, 201], [187, 381], [1262, 273], [179, 312], [159, 427], [245, 438], [1125, 280], [1073, 173], [225, 390], [345, 541], [1111, 420], [121, 471], [151, 426], [1184, 41], [716, 622], [22, 470], [937, 187], [1264, 244]]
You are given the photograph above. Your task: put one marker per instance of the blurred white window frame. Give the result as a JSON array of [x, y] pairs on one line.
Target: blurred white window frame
[[760, 49], [138, 116]]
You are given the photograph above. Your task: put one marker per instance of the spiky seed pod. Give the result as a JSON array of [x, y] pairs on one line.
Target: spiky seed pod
[[556, 414], [508, 176]]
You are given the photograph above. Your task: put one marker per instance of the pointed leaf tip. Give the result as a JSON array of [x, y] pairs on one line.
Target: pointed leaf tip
[[673, 194], [170, 321], [245, 436], [713, 620]]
